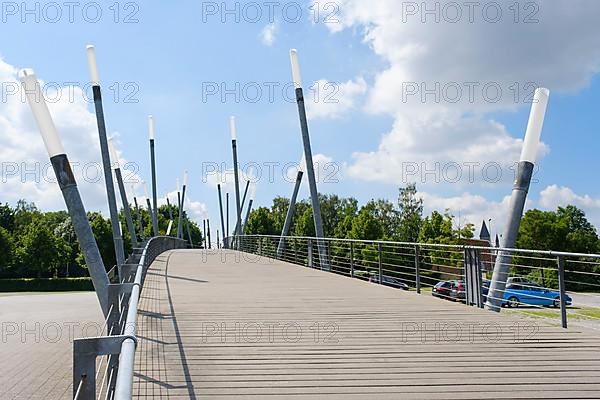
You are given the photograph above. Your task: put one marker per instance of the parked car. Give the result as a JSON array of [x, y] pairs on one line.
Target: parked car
[[450, 290], [485, 284], [390, 281], [531, 293]]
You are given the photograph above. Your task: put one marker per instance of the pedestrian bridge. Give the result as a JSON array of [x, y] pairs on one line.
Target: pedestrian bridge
[[224, 324], [227, 324]]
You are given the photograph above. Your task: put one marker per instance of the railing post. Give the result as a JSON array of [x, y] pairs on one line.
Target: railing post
[[295, 252], [380, 264], [309, 253], [417, 270], [260, 245], [561, 288], [352, 259]]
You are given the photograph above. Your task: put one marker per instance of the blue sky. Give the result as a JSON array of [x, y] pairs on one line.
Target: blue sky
[[166, 58]]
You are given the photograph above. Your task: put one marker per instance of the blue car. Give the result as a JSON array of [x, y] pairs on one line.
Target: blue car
[[531, 293]]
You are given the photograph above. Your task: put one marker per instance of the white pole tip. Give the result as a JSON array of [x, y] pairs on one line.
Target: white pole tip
[[295, 68]]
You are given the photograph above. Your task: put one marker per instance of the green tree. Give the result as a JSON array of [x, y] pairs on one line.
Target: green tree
[[410, 214], [102, 230], [261, 223], [366, 225], [566, 229], [40, 251], [6, 252], [7, 217], [278, 212], [304, 224]]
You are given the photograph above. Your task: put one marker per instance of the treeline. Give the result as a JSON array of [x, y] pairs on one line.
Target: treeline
[[402, 220], [566, 229], [36, 244]]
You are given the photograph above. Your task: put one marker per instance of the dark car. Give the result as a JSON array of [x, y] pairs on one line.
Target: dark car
[[390, 281], [450, 290]]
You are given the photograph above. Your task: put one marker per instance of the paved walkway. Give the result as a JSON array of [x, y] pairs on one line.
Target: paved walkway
[[216, 325], [36, 342]]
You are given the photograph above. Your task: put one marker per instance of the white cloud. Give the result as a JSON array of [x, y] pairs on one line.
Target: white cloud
[[327, 171], [555, 196], [452, 126], [469, 208], [268, 33], [452, 150], [226, 178], [197, 210], [330, 100]]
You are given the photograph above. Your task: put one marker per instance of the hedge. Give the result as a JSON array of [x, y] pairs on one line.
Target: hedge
[[46, 285]]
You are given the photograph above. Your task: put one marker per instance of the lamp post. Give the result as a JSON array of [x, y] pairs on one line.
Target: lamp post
[[290, 213], [139, 215], [208, 233], [204, 233], [150, 212], [178, 205], [170, 225], [518, 197], [68, 186], [227, 221], [169, 207], [154, 216], [252, 195], [238, 209], [221, 212], [119, 176], [187, 226], [237, 227], [312, 182], [110, 188], [180, 216], [218, 240]]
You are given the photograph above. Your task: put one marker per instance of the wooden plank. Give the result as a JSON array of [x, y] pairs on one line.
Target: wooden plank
[[220, 324]]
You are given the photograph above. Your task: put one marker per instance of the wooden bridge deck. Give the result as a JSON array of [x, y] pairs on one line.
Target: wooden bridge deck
[[224, 326]]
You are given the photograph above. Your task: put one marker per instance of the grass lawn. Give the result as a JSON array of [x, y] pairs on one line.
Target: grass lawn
[[581, 313]]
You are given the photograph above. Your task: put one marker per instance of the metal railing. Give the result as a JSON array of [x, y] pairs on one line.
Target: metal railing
[[541, 283], [113, 354]]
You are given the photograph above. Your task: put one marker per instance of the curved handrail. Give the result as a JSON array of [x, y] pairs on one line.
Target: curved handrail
[[438, 245]]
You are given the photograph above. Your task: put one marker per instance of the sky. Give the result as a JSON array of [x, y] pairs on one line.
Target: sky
[[434, 92]]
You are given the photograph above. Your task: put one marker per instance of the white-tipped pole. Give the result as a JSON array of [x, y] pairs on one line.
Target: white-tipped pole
[[535, 124], [312, 182], [41, 113], [93, 66], [232, 128], [113, 154], [517, 200], [252, 190], [68, 185], [151, 126], [295, 68], [185, 178], [177, 183]]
